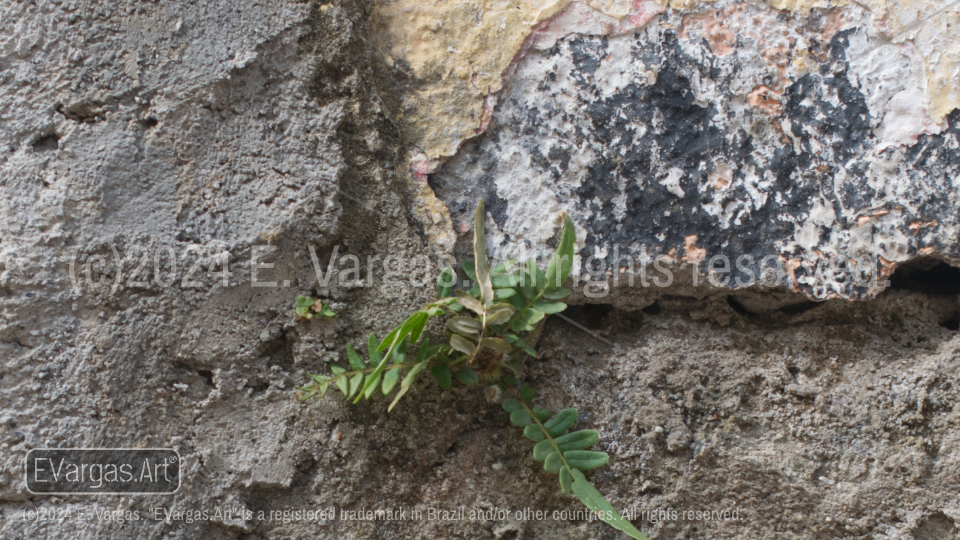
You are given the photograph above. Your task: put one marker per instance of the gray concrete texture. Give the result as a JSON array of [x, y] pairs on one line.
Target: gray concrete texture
[[148, 148]]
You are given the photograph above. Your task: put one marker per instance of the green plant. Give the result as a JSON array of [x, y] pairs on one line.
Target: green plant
[[307, 307], [488, 334]]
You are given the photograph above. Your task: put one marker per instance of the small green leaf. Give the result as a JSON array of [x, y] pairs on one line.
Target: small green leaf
[[592, 499], [390, 379], [400, 353], [541, 414], [517, 301], [577, 440], [506, 292], [341, 381], [511, 405], [445, 282], [561, 422], [529, 350], [355, 383], [468, 269], [355, 362], [317, 378], [468, 376], [527, 393], [499, 313], [538, 280], [461, 344], [480, 256], [553, 462], [418, 325], [565, 480], [549, 307], [586, 459], [304, 301], [422, 350], [498, 345], [509, 379], [504, 282], [372, 344], [521, 418], [464, 325], [543, 448], [309, 393], [557, 294], [442, 374], [371, 387], [531, 316], [533, 432], [559, 266], [407, 382], [520, 326], [469, 302]]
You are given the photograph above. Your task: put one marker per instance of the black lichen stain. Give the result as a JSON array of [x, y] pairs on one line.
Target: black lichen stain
[[829, 139]]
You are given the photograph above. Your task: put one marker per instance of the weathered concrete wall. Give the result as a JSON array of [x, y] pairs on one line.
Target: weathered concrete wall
[[138, 133]]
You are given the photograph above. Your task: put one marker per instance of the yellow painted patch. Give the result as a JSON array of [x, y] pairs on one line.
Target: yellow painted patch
[[456, 53]]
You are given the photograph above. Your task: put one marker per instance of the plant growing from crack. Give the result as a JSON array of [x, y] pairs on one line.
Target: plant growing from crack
[[308, 308], [488, 334]]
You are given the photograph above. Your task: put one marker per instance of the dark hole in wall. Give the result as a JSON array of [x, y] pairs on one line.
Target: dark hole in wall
[[589, 315], [737, 306], [653, 309], [207, 376], [927, 275], [799, 307], [953, 323], [47, 142]]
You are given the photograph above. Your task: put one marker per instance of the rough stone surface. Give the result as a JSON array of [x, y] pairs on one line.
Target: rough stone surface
[[209, 133], [779, 142]]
